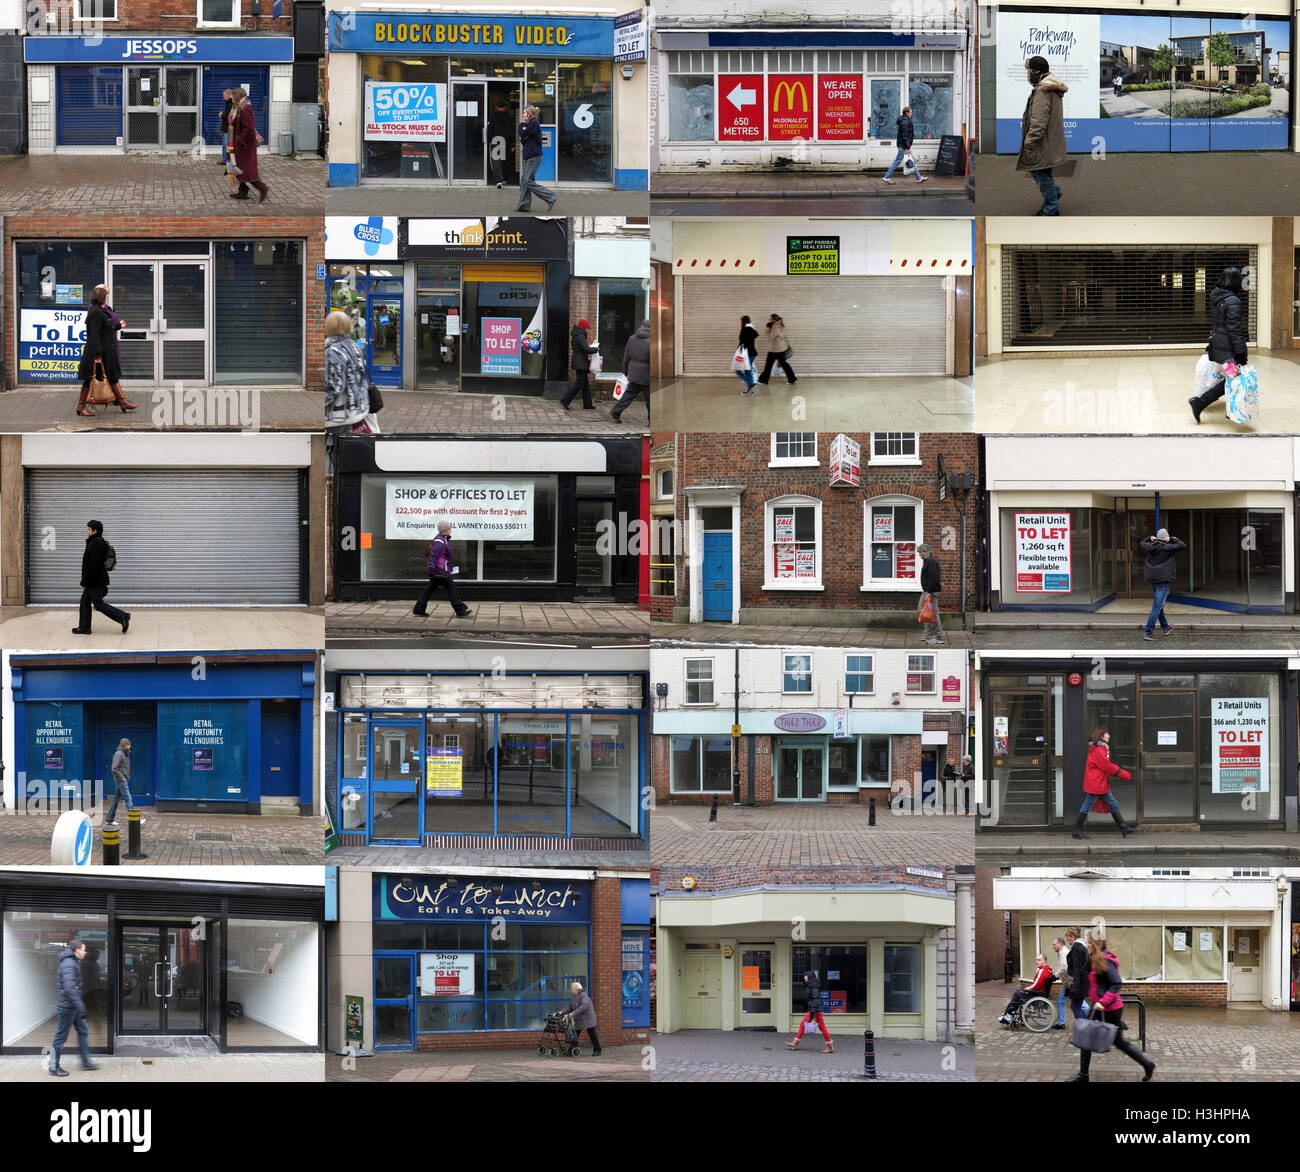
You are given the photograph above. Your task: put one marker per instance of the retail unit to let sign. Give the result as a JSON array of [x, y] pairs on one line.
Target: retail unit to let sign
[[1239, 744], [812, 256], [1043, 553], [846, 461], [631, 39], [443, 773], [740, 107], [447, 974], [951, 689], [412, 112], [500, 345], [498, 508]]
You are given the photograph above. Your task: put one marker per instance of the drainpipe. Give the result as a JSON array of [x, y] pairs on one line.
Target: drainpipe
[[735, 761]]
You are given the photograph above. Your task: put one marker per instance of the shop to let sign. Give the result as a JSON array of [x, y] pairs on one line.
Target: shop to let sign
[[839, 107], [846, 460], [740, 107], [406, 113], [790, 106], [1042, 553], [812, 255], [447, 974], [498, 508], [952, 689], [49, 344], [500, 345], [443, 773], [1239, 745]]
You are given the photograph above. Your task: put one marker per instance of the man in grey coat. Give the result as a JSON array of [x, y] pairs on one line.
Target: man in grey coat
[[584, 1014], [71, 1007], [121, 770]]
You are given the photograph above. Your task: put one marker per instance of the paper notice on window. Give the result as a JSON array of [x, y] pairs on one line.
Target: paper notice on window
[[1180, 941], [1207, 941], [1166, 736], [1243, 944]]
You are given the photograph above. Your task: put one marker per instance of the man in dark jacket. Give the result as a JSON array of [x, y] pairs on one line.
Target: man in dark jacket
[[636, 365], [906, 136], [530, 138], [1042, 132], [1076, 972], [94, 581], [71, 1007], [931, 585], [121, 771], [441, 565], [1227, 335], [1160, 571], [580, 360]]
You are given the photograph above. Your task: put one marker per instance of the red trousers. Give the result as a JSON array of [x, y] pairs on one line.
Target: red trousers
[[821, 1025]]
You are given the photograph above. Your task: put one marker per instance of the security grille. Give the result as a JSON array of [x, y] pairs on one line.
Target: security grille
[[1057, 297]]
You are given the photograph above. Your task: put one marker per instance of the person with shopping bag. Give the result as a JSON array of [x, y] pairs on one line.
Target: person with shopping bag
[[636, 373], [349, 401], [742, 362], [905, 137], [1227, 337], [778, 351], [1103, 1028], [101, 356], [1096, 784], [927, 608], [582, 354]]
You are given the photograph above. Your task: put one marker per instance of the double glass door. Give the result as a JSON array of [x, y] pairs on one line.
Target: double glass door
[[163, 308], [397, 782], [800, 773], [1153, 734], [162, 979], [162, 105]]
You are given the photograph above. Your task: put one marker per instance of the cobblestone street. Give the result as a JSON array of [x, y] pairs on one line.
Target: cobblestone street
[[805, 836], [762, 1056], [1187, 1045], [615, 1064]]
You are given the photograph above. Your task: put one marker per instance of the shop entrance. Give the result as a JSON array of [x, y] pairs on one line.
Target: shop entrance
[[396, 775], [384, 330], [162, 106], [593, 545], [394, 1000], [485, 131], [1023, 767], [702, 988], [715, 570], [800, 772], [755, 1008], [1245, 965], [135, 722], [162, 980], [163, 307], [437, 341]]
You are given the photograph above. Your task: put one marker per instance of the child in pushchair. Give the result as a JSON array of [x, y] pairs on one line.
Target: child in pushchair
[[1041, 983], [559, 1036]]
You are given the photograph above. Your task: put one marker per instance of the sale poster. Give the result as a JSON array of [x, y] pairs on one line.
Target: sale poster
[[905, 559], [805, 563], [882, 526], [784, 527], [839, 107], [1239, 745], [1042, 542], [784, 561], [413, 112]]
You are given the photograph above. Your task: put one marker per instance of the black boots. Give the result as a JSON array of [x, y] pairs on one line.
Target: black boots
[[1197, 407], [1124, 828], [1078, 827]]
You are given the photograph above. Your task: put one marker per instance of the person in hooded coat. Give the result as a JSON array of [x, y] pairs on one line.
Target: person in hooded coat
[[581, 351], [70, 1004], [1042, 132], [1227, 336], [1160, 571], [636, 365]]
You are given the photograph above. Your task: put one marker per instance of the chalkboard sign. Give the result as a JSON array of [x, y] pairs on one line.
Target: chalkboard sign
[[952, 156]]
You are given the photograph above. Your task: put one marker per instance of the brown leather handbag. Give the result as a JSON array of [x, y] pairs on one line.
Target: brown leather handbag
[[100, 390]]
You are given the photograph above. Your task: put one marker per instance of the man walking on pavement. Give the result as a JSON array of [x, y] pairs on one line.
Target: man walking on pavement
[[1160, 571], [906, 135], [94, 581], [931, 585], [70, 1004], [121, 770], [1042, 132]]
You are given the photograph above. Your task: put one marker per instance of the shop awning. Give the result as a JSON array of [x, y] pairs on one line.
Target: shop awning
[[886, 905]]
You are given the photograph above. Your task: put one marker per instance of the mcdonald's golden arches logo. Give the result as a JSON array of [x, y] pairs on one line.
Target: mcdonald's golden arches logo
[[789, 88]]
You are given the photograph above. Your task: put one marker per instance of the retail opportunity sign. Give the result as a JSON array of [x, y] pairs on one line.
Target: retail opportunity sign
[[498, 508], [453, 898], [1239, 745], [443, 773], [839, 107], [406, 113], [447, 974], [1043, 553], [500, 345], [812, 255], [49, 344]]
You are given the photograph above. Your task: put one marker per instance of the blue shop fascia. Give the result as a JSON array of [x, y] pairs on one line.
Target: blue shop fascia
[[216, 732]]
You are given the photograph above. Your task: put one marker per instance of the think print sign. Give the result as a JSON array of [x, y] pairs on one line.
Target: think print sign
[[1042, 553]]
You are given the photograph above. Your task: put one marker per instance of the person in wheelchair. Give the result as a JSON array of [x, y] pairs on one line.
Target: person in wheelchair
[[1040, 984]]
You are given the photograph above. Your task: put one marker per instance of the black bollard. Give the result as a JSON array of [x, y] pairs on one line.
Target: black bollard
[[871, 812], [713, 809], [112, 842], [868, 1054], [133, 850]]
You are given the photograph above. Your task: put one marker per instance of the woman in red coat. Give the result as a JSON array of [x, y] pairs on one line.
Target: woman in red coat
[[246, 148], [1096, 783]]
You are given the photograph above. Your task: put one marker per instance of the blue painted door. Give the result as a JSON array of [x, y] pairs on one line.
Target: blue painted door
[[394, 1002], [716, 577], [279, 749], [929, 775], [384, 330]]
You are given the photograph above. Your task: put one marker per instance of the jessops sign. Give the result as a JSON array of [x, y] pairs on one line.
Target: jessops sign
[[245, 50], [452, 898], [495, 509], [475, 33]]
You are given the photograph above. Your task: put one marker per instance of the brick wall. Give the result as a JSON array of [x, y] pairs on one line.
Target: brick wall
[[310, 229], [175, 18], [741, 458], [1201, 994], [990, 929]]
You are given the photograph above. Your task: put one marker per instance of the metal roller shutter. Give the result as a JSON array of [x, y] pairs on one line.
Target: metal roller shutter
[[836, 325], [1059, 297], [200, 538], [90, 105], [224, 77]]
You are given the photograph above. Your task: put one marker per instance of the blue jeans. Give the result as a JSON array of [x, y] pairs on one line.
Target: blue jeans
[[1061, 998], [1109, 799], [1050, 192], [123, 794], [898, 158], [748, 377], [67, 1019], [1160, 595]]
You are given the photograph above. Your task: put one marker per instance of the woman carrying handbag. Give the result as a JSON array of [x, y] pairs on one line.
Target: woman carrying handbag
[[101, 360], [1104, 1027], [746, 355]]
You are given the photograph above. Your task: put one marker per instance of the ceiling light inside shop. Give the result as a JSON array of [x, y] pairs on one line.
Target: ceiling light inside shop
[[404, 61]]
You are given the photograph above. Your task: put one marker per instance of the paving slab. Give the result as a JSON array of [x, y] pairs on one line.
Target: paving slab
[[439, 413], [242, 409], [614, 1064], [162, 628], [393, 199]]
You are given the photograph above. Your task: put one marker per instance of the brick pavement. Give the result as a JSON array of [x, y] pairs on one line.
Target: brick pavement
[[537, 620], [173, 183], [762, 1056], [615, 1064], [383, 858], [206, 1068], [1187, 1045], [813, 835], [761, 635], [161, 628], [224, 409], [188, 839], [436, 200], [454, 413]]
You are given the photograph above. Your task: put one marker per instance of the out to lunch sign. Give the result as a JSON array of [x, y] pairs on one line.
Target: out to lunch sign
[[453, 898], [477, 33], [499, 509], [1043, 553]]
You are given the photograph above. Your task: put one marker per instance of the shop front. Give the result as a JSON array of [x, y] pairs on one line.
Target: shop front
[[435, 99], [1208, 939], [1067, 516], [479, 959], [746, 87], [168, 960], [454, 305], [1162, 79], [893, 288], [151, 92], [426, 758], [189, 308], [233, 736], [726, 960], [1211, 743], [532, 519]]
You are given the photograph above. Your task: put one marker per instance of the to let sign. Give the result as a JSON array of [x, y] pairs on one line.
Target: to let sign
[[500, 345], [740, 107], [1043, 553]]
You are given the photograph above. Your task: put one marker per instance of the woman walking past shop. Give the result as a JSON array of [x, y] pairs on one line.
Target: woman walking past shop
[[1096, 783], [347, 390], [100, 354], [746, 344], [246, 139], [1103, 986], [778, 351], [530, 138], [813, 1012]]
